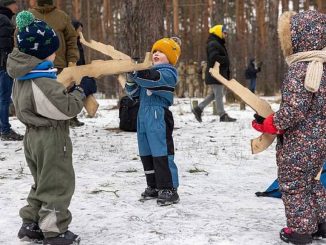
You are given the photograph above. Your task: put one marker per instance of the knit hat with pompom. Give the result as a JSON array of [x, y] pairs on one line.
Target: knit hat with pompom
[[35, 37]]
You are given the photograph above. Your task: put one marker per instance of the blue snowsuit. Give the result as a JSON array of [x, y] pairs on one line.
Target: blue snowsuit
[[155, 123]]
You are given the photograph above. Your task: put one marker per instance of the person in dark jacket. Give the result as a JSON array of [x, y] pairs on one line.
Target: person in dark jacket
[[251, 74], [7, 10], [216, 52]]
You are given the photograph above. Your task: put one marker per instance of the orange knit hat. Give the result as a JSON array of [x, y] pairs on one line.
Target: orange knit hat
[[169, 47]]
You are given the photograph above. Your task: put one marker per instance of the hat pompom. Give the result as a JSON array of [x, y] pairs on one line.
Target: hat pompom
[[23, 19]]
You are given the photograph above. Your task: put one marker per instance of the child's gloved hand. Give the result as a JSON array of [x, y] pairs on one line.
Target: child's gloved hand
[[89, 85], [265, 125]]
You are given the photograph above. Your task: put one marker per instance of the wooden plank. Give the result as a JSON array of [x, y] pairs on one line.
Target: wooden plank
[[257, 104]]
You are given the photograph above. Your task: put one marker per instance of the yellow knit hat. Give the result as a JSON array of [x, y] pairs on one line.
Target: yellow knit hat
[[169, 47], [218, 30]]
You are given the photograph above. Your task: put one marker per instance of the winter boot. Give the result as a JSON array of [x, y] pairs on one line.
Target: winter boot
[[149, 193], [11, 136], [226, 118], [197, 112], [287, 235], [30, 232], [321, 232], [167, 197], [74, 122], [66, 238]]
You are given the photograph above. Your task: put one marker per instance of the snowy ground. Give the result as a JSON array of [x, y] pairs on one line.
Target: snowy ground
[[218, 179]]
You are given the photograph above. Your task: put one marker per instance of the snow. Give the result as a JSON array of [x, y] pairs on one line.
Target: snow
[[217, 172]]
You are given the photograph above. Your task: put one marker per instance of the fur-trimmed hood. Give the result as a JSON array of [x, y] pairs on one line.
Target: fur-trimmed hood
[[301, 32]]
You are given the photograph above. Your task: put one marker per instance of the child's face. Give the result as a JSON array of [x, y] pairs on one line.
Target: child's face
[[159, 58], [51, 57]]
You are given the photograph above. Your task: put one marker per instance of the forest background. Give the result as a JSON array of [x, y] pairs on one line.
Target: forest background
[[132, 26]]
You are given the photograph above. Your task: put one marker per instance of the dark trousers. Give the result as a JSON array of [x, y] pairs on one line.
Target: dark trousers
[[6, 83]]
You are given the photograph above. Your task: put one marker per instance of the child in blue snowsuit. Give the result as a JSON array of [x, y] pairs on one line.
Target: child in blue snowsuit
[[155, 123]]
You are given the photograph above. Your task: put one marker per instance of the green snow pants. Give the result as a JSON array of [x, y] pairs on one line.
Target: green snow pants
[[48, 152]]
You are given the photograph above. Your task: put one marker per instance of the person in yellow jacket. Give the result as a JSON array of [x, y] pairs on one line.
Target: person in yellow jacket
[[67, 54]]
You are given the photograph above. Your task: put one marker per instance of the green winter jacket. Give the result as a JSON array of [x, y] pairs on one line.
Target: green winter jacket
[[61, 23], [40, 102]]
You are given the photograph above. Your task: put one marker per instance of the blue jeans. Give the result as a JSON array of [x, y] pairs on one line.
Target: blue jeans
[[6, 83], [252, 85]]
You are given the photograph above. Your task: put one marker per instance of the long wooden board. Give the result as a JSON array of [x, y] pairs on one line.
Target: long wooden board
[[97, 68], [257, 104]]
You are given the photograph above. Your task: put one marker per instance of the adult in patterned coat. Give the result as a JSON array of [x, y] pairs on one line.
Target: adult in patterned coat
[[7, 10], [67, 54], [301, 120]]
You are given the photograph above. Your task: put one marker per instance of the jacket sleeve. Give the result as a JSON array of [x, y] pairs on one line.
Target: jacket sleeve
[[164, 86], [6, 34], [53, 101], [295, 101], [70, 36], [132, 89], [215, 53]]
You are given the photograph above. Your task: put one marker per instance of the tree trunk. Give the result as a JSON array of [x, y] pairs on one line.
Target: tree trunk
[[176, 17], [321, 6]]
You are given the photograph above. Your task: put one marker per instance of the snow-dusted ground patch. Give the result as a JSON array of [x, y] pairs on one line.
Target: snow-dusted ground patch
[[218, 179]]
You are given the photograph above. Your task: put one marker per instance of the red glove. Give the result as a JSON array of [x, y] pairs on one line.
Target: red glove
[[267, 126]]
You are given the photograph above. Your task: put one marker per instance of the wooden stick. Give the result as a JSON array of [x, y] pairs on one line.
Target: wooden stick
[[97, 68], [104, 49], [257, 104]]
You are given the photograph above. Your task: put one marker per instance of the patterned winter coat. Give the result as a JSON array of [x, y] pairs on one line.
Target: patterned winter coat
[[302, 114]]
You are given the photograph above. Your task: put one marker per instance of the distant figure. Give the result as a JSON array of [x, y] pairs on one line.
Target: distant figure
[[251, 74], [7, 10], [180, 89], [216, 52]]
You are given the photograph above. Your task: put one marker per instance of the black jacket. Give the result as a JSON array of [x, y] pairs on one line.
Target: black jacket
[[81, 60], [6, 35], [216, 51], [251, 71]]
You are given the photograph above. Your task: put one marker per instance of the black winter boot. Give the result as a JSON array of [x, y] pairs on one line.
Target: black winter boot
[[149, 193], [226, 118], [74, 122], [167, 197], [67, 238], [30, 232], [11, 136], [197, 112], [287, 235], [321, 232]]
